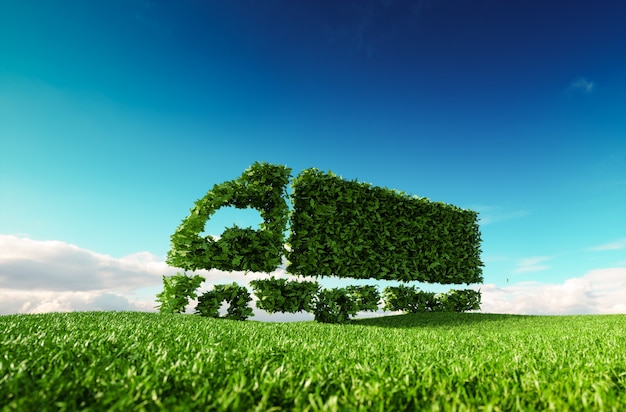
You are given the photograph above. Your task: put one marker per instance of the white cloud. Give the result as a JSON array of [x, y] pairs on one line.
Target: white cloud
[[492, 214], [617, 245], [41, 301], [581, 85], [532, 264], [600, 291], [48, 276], [27, 264]]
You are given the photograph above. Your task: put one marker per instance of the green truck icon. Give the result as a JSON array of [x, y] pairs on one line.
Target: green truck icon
[[336, 228]]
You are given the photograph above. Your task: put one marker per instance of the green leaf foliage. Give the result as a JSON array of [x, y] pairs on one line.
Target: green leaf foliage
[[177, 290], [334, 306], [354, 230], [365, 297], [280, 295], [262, 187], [459, 300], [410, 299], [407, 299], [237, 296]]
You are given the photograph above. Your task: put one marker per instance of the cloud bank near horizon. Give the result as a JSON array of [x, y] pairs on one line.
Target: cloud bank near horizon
[[53, 276]]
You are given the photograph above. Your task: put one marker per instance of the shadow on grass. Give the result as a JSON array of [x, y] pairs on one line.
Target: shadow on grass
[[416, 320]]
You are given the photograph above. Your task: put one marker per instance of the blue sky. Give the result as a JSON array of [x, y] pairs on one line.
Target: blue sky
[[116, 116]]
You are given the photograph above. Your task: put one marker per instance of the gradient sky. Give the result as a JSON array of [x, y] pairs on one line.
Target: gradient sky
[[116, 116]]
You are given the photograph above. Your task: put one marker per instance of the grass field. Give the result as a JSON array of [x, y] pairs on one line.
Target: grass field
[[128, 361]]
